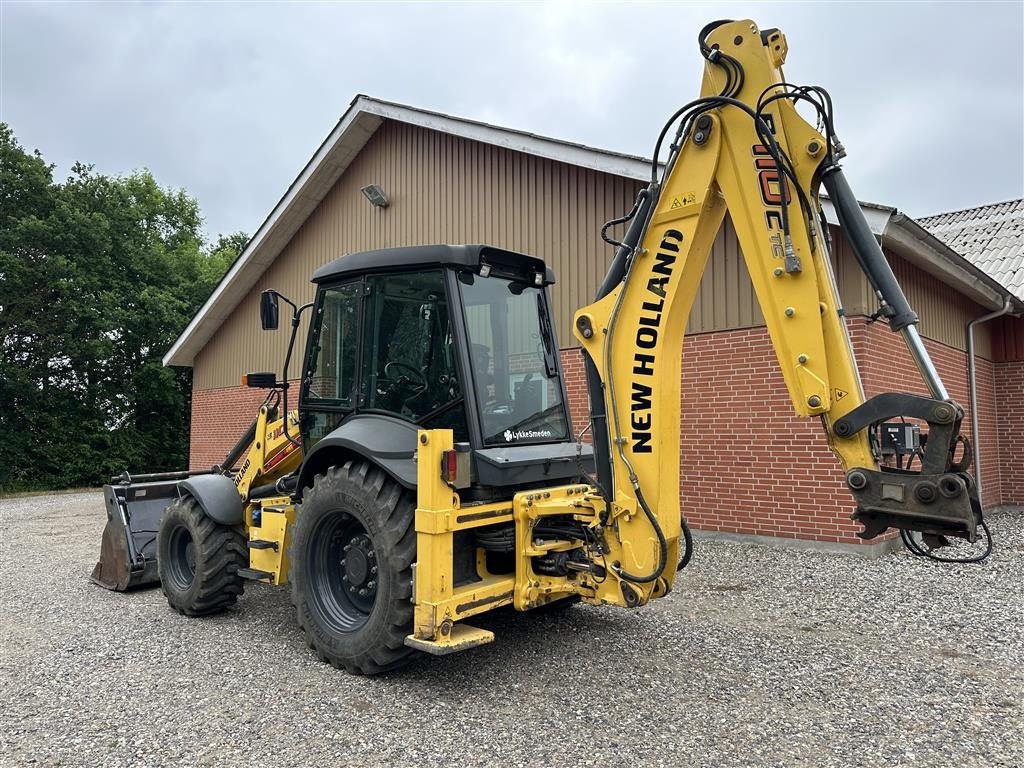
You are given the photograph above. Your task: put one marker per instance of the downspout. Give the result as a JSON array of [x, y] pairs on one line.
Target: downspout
[[973, 382]]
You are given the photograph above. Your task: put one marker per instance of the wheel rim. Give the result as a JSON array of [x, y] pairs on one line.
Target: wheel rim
[[342, 572], [182, 551]]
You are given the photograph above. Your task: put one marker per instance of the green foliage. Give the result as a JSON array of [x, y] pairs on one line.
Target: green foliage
[[98, 276]]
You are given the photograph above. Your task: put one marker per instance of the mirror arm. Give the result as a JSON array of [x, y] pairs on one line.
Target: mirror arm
[[296, 315]]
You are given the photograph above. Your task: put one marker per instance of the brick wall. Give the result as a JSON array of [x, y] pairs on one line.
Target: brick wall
[[748, 465], [1009, 378], [576, 388], [219, 418]]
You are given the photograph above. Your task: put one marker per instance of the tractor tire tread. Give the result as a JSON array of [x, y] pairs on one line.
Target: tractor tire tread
[[221, 552], [394, 512]]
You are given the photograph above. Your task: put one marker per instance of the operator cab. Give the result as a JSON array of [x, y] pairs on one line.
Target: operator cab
[[440, 337]]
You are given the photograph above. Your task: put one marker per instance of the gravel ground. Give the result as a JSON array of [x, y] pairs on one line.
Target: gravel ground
[[761, 657]]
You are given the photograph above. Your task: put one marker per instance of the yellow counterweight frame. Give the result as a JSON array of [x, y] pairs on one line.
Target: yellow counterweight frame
[[440, 603]]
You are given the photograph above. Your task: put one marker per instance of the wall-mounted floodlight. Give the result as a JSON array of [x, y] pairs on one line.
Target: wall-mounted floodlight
[[375, 195]]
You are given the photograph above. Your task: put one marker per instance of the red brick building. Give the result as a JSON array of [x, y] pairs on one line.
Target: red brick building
[[748, 466]]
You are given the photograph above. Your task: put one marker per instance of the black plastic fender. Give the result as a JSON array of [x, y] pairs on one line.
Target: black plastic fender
[[217, 496], [388, 442]]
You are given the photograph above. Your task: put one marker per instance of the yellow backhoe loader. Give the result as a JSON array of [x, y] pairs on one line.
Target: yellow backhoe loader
[[439, 478]]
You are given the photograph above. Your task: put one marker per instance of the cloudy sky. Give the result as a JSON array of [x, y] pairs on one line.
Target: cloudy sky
[[229, 100]]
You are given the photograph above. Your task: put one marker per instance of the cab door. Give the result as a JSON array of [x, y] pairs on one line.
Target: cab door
[[330, 383], [410, 364]]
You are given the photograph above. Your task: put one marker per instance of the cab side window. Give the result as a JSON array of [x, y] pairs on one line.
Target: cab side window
[[409, 366]]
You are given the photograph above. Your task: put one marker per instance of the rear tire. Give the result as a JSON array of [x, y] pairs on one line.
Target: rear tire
[[352, 551], [198, 560]]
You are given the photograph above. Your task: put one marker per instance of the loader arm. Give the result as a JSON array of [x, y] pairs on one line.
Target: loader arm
[[136, 503], [271, 455], [744, 148]]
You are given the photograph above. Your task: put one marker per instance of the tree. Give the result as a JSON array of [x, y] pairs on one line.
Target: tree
[[98, 276]]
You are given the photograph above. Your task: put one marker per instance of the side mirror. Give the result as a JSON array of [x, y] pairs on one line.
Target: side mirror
[[268, 310]]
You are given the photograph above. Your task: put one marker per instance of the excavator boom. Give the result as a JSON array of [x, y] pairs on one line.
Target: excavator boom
[[744, 148]]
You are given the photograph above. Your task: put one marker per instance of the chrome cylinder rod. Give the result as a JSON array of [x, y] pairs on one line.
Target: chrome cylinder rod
[[924, 362]]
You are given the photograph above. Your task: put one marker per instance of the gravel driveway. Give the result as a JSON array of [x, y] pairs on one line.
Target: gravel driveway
[[761, 657]]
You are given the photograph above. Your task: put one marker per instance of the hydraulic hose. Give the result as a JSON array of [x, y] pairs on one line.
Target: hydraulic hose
[[662, 545], [687, 545], [916, 548]]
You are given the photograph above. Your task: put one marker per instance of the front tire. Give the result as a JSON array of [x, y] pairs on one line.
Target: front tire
[[198, 560], [353, 547]]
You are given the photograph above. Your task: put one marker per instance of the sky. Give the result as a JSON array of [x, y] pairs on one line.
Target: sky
[[229, 100]]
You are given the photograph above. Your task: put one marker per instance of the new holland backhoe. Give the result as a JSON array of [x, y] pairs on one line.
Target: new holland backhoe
[[431, 472]]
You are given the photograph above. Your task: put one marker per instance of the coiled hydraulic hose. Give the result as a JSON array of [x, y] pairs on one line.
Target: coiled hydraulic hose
[[916, 549]]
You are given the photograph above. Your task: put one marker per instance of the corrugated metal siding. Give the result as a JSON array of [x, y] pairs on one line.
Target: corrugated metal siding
[[726, 297], [441, 189], [446, 189], [944, 312], [854, 289], [726, 300]]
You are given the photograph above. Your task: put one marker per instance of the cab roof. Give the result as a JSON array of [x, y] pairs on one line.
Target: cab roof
[[410, 257]]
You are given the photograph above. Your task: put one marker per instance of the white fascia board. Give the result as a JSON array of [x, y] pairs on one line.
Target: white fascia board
[[876, 216], [605, 161], [257, 256]]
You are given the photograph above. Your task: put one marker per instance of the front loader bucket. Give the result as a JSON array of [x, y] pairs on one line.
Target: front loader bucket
[[128, 549]]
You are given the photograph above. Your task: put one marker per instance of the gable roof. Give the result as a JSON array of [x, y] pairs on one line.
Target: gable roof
[[990, 236], [361, 120]]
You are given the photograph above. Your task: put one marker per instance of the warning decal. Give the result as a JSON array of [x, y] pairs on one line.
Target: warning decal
[[680, 200]]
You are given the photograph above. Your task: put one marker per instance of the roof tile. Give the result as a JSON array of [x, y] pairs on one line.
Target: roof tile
[[989, 236]]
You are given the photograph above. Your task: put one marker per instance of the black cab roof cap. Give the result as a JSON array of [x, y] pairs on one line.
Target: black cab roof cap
[[409, 257]]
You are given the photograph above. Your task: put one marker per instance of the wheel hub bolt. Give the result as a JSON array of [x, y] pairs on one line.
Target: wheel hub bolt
[[371, 585]]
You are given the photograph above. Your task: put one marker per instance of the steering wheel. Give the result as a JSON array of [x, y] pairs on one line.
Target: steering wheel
[[417, 377], [499, 408]]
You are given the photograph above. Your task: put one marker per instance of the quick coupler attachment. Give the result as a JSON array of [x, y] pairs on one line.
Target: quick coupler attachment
[[940, 505], [940, 498]]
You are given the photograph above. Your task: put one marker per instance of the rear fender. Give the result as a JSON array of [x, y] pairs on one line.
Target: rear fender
[[388, 442]]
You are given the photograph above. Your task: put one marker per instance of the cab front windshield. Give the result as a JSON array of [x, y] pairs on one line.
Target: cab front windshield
[[514, 361]]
